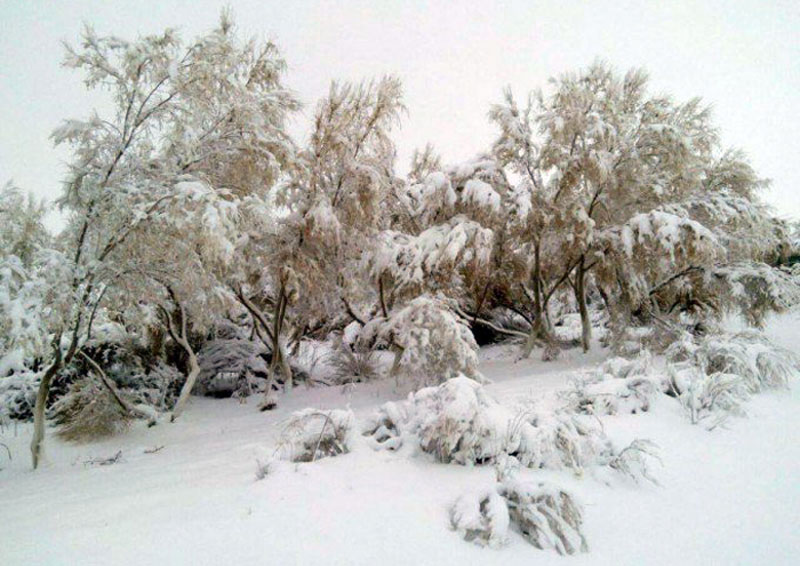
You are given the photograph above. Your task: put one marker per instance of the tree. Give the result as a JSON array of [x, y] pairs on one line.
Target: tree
[[185, 116], [600, 163]]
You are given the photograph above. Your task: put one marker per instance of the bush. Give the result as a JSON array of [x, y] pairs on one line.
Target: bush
[[312, 434], [619, 385], [353, 365], [89, 412], [18, 395], [481, 517], [385, 426], [458, 422], [234, 357], [559, 441], [714, 376], [432, 344], [546, 516]]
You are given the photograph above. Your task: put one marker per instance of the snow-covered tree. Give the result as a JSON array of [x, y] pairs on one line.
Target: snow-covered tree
[[22, 231], [630, 187], [186, 117]]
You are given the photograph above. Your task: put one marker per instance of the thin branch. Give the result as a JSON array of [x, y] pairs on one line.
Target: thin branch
[[491, 325]]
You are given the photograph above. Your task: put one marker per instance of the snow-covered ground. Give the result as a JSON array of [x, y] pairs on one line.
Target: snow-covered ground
[[731, 496]]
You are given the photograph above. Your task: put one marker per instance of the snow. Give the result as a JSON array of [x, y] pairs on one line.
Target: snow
[[729, 496], [481, 194]]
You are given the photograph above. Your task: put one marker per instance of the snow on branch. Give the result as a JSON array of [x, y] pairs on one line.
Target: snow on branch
[[440, 251]]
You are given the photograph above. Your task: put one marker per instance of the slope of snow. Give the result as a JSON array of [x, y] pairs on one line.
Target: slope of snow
[[731, 496]]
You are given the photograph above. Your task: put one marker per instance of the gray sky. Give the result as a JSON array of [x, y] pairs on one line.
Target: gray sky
[[454, 59]]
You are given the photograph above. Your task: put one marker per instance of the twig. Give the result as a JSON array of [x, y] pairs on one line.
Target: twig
[[153, 450], [321, 432]]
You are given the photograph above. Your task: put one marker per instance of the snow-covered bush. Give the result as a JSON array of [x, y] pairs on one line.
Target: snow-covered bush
[[458, 422], [557, 441], [546, 516], [312, 434], [235, 358], [713, 376], [619, 385], [759, 363], [386, 427], [633, 460], [353, 364], [481, 517], [18, 396], [432, 343], [89, 412]]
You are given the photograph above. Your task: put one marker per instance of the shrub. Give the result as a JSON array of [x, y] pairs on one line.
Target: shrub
[[353, 365], [458, 422], [714, 376], [619, 385], [312, 434], [481, 517], [546, 516], [89, 412], [558, 441]]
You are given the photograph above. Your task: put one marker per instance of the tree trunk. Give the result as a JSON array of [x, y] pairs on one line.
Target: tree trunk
[[538, 333], [395, 370], [186, 390], [39, 409], [580, 297], [278, 349], [182, 339]]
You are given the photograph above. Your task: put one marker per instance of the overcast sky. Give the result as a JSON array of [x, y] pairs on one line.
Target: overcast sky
[[454, 58]]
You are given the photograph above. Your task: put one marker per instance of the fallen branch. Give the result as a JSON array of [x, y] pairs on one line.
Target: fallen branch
[[127, 407], [491, 325], [104, 461]]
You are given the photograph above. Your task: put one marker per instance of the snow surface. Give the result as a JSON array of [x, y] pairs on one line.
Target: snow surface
[[730, 496]]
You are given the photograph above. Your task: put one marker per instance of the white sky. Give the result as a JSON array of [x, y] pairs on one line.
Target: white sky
[[454, 59]]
